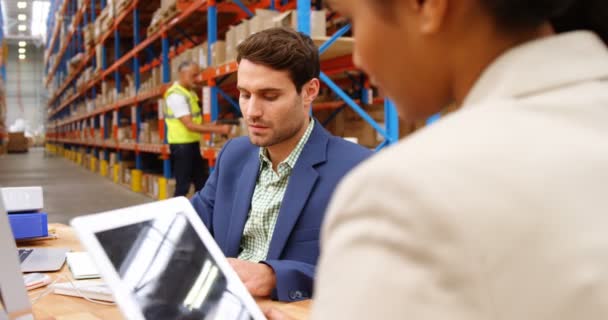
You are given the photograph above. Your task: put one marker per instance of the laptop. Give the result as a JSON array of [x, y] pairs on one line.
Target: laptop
[[42, 259], [160, 262], [14, 301]]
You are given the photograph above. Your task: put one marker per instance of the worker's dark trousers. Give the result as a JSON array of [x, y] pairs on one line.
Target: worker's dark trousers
[[188, 167]]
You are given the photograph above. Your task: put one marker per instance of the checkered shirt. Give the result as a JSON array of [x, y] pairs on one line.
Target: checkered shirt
[[266, 202]]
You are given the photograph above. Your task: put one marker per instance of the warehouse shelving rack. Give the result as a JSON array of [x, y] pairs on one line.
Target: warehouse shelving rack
[[141, 54], [3, 53]]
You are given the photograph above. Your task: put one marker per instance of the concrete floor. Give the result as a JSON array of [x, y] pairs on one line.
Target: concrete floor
[[69, 190]]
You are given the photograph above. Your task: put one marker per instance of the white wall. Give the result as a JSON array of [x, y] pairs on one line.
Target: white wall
[[28, 74]]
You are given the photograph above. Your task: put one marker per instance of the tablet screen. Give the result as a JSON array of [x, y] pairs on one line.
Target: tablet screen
[[169, 271]]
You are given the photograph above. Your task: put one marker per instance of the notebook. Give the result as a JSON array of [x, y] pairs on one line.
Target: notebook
[[81, 265]]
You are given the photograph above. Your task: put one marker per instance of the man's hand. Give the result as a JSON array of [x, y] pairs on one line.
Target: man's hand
[[275, 314], [259, 278], [224, 129]]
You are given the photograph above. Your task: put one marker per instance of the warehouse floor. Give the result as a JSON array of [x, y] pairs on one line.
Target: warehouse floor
[[69, 190]]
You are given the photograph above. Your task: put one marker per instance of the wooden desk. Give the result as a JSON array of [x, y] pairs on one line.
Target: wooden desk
[[72, 308]]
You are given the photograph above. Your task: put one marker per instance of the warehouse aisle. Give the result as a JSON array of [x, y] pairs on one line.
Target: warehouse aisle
[[69, 190]]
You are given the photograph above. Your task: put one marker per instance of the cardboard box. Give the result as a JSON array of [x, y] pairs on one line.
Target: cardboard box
[[125, 168], [167, 4], [145, 183], [363, 131], [113, 159], [262, 20], [318, 22], [287, 19], [231, 52], [17, 142], [218, 53], [124, 134], [153, 186], [241, 32], [146, 129], [200, 55], [171, 184]]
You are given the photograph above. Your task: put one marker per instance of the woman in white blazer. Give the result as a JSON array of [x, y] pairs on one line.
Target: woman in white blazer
[[500, 210]]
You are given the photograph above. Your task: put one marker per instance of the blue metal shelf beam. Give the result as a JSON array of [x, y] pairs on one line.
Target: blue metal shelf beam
[[303, 13], [137, 80], [233, 103], [243, 7], [166, 79], [391, 120], [333, 38], [212, 39]]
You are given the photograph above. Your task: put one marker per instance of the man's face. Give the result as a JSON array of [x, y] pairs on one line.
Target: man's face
[[189, 76], [403, 61], [270, 104]]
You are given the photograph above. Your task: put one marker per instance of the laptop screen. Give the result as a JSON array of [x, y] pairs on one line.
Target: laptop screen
[[170, 272]]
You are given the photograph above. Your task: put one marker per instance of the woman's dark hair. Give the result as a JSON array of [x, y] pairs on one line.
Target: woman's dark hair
[[565, 15], [584, 15]]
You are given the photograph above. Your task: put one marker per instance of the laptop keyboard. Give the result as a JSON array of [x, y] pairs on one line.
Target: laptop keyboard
[[24, 253]]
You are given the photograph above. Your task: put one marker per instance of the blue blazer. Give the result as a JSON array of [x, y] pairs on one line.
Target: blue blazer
[[225, 201]]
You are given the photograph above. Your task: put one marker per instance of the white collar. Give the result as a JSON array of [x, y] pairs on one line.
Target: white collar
[[542, 65]]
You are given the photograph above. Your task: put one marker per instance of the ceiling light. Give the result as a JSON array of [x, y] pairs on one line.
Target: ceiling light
[[22, 43], [21, 57], [21, 4], [21, 17], [22, 27], [40, 12], [21, 50]]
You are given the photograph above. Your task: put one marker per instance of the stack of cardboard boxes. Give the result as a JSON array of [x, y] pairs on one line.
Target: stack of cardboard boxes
[[74, 63], [148, 132], [348, 124], [84, 78], [105, 20], [124, 135], [157, 186], [225, 51], [167, 11], [89, 36], [128, 90], [17, 142], [109, 94], [121, 5], [266, 19], [151, 80]]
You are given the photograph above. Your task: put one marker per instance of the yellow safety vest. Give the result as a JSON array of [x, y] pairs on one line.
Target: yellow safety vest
[[178, 133]]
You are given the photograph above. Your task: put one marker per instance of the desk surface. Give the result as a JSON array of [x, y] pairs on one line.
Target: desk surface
[[72, 308]]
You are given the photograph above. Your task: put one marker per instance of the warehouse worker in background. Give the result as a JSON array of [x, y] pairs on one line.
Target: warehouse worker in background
[[265, 201], [497, 211], [184, 125]]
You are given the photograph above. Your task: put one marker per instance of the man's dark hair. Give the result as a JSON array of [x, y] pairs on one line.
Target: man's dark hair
[[283, 49]]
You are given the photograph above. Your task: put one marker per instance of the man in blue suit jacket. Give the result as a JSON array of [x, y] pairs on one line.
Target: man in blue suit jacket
[[266, 199]]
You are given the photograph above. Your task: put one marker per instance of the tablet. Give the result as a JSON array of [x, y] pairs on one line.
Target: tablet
[[160, 262]]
